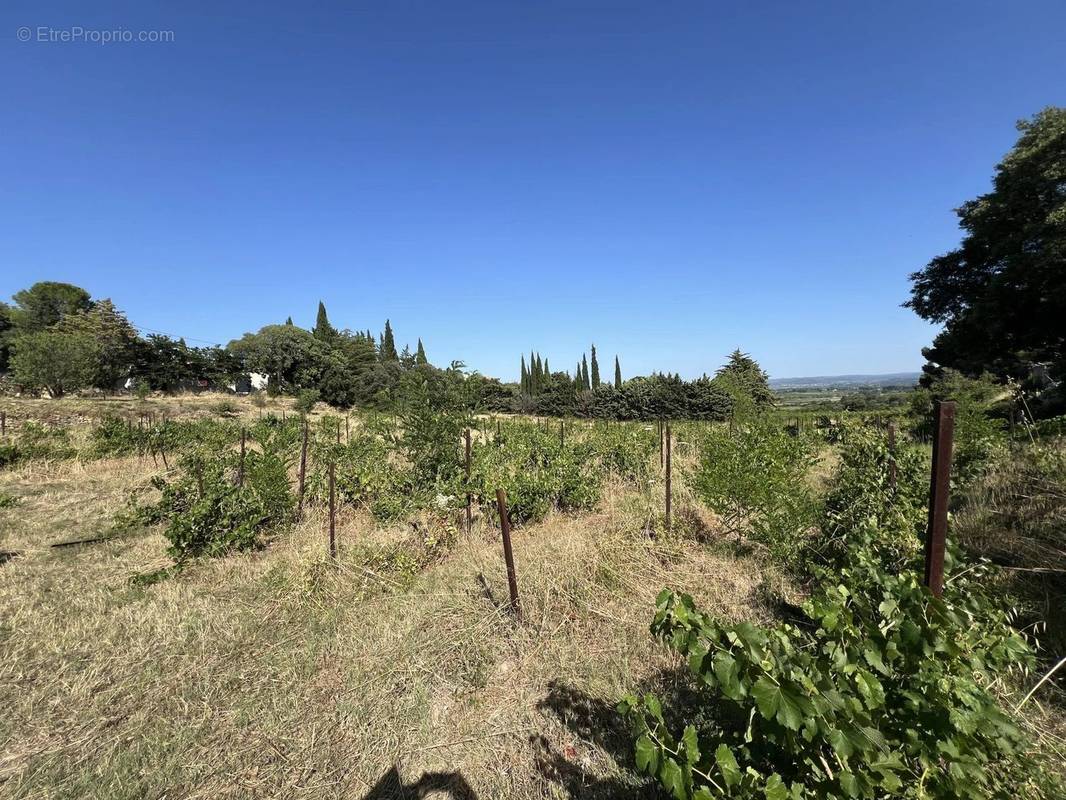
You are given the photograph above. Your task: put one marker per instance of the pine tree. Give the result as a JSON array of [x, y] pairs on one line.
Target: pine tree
[[323, 330], [617, 374], [586, 384], [420, 355], [387, 351], [595, 369]]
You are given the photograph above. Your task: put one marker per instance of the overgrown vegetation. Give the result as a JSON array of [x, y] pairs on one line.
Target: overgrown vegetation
[[877, 689]]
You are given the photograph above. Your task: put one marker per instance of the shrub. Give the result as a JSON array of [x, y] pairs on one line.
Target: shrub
[[879, 689], [861, 491], [305, 400], [366, 476], [536, 472], [208, 514], [755, 479]]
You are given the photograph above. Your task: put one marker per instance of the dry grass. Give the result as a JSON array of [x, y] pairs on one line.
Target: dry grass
[[277, 674]]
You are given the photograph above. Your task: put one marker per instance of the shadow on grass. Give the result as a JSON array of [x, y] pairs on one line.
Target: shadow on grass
[[439, 784], [597, 722]]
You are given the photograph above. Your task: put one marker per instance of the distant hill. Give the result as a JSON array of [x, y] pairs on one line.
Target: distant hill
[[846, 381]]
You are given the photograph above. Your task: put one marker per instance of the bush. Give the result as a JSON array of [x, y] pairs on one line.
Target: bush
[[536, 472], [861, 492], [881, 687], [755, 479], [208, 514], [366, 476], [305, 401]]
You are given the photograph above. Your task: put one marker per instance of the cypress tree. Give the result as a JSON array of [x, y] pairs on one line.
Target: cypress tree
[[586, 384], [617, 374], [388, 345], [547, 372], [595, 369], [323, 330], [577, 376], [420, 355], [288, 321], [538, 380], [524, 384]]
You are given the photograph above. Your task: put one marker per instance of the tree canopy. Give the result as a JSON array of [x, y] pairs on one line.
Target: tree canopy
[[1001, 295]]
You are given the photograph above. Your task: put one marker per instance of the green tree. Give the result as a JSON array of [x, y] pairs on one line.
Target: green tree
[[288, 320], [595, 369], [45, 303], [586, 384], [54, 360], [387, 351], [617, 374], [116, 341], [524, 380], [286, 353], [1001, 295], [744, 379], [420, 354], [6, 332], [323, 330]]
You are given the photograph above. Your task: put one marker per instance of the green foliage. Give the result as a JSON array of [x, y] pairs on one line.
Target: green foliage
[[436, 414], [862, 492], [537, 472], [8, 500], [114, 338], [746, 383], [881, 691], [56, 361], [207, 513], [45, 304], [1000, 296], [306, 399], [367, 475], [980, 438], [754, 478]]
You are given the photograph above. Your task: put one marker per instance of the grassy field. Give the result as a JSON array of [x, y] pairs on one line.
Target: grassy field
[[276, 674]]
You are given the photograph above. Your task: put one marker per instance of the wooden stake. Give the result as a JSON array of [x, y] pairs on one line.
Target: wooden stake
[[562, 435], [508, 556], [240, 468], [332, 515], [469, 510], [303, 474], [939, 491], [668, 477]]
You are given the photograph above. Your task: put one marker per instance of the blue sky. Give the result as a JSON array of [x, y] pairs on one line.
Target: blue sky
[[669, 181]]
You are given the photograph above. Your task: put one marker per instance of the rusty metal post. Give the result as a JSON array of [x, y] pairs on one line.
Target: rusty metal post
[[508, 556], [240, 468], [892, 457], [668, 477], [939, 490], [662, 462], [332, 515], [469, 509], [303, 474]]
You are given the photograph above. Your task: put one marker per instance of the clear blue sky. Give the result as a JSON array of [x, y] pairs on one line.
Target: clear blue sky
[[669, 181]]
